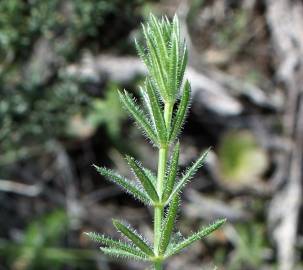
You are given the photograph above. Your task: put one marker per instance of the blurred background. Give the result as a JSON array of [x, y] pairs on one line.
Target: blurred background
[[61, 62]]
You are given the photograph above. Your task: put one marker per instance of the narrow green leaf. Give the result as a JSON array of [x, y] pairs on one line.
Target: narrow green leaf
[[143, 56], [172, 173], [151, 176], [169, 224], [173, 67], [158, 118], [176, 25], [122, 254], [156, 67], [195, 237], [138, 115], [181, 112], [182, 65], [132, 235], [125, 183], [107, 241], [190, 172], [159, 33], [175, 59], [147, 105], [143, 178], [167, 29]]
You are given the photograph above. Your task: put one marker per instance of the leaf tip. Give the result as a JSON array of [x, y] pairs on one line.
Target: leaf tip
[[221, 221]]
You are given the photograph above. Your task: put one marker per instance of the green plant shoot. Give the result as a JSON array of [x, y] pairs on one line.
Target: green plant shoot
[[166, 99]]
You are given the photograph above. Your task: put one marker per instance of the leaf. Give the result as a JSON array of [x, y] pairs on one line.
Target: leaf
[[189, 174], [151, 176], [147, 106], [156, 65], [138, 115], [125, 183], [143, 178], [132, 235], [157, 115], [107, 241], [172, 174], [173, 66], [169, 224], [167, 29], [158, 32], [182, 65], [176, 25], [119, 253], [144, 57], [181, 112], [195, 237]]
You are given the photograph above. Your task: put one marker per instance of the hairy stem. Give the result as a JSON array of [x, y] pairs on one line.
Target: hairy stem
[[163, 152], [158, 213]]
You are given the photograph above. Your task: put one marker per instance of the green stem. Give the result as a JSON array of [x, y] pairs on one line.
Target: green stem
[[158, 266], [161, 169], [159, 209], [157, 227]]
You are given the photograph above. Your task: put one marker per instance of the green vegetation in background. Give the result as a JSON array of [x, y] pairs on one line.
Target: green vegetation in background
[[241, 159], [22, 22], [41, 246], [38, 40], [249, 248], [108, 111], [105, 111], [38, 113]]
